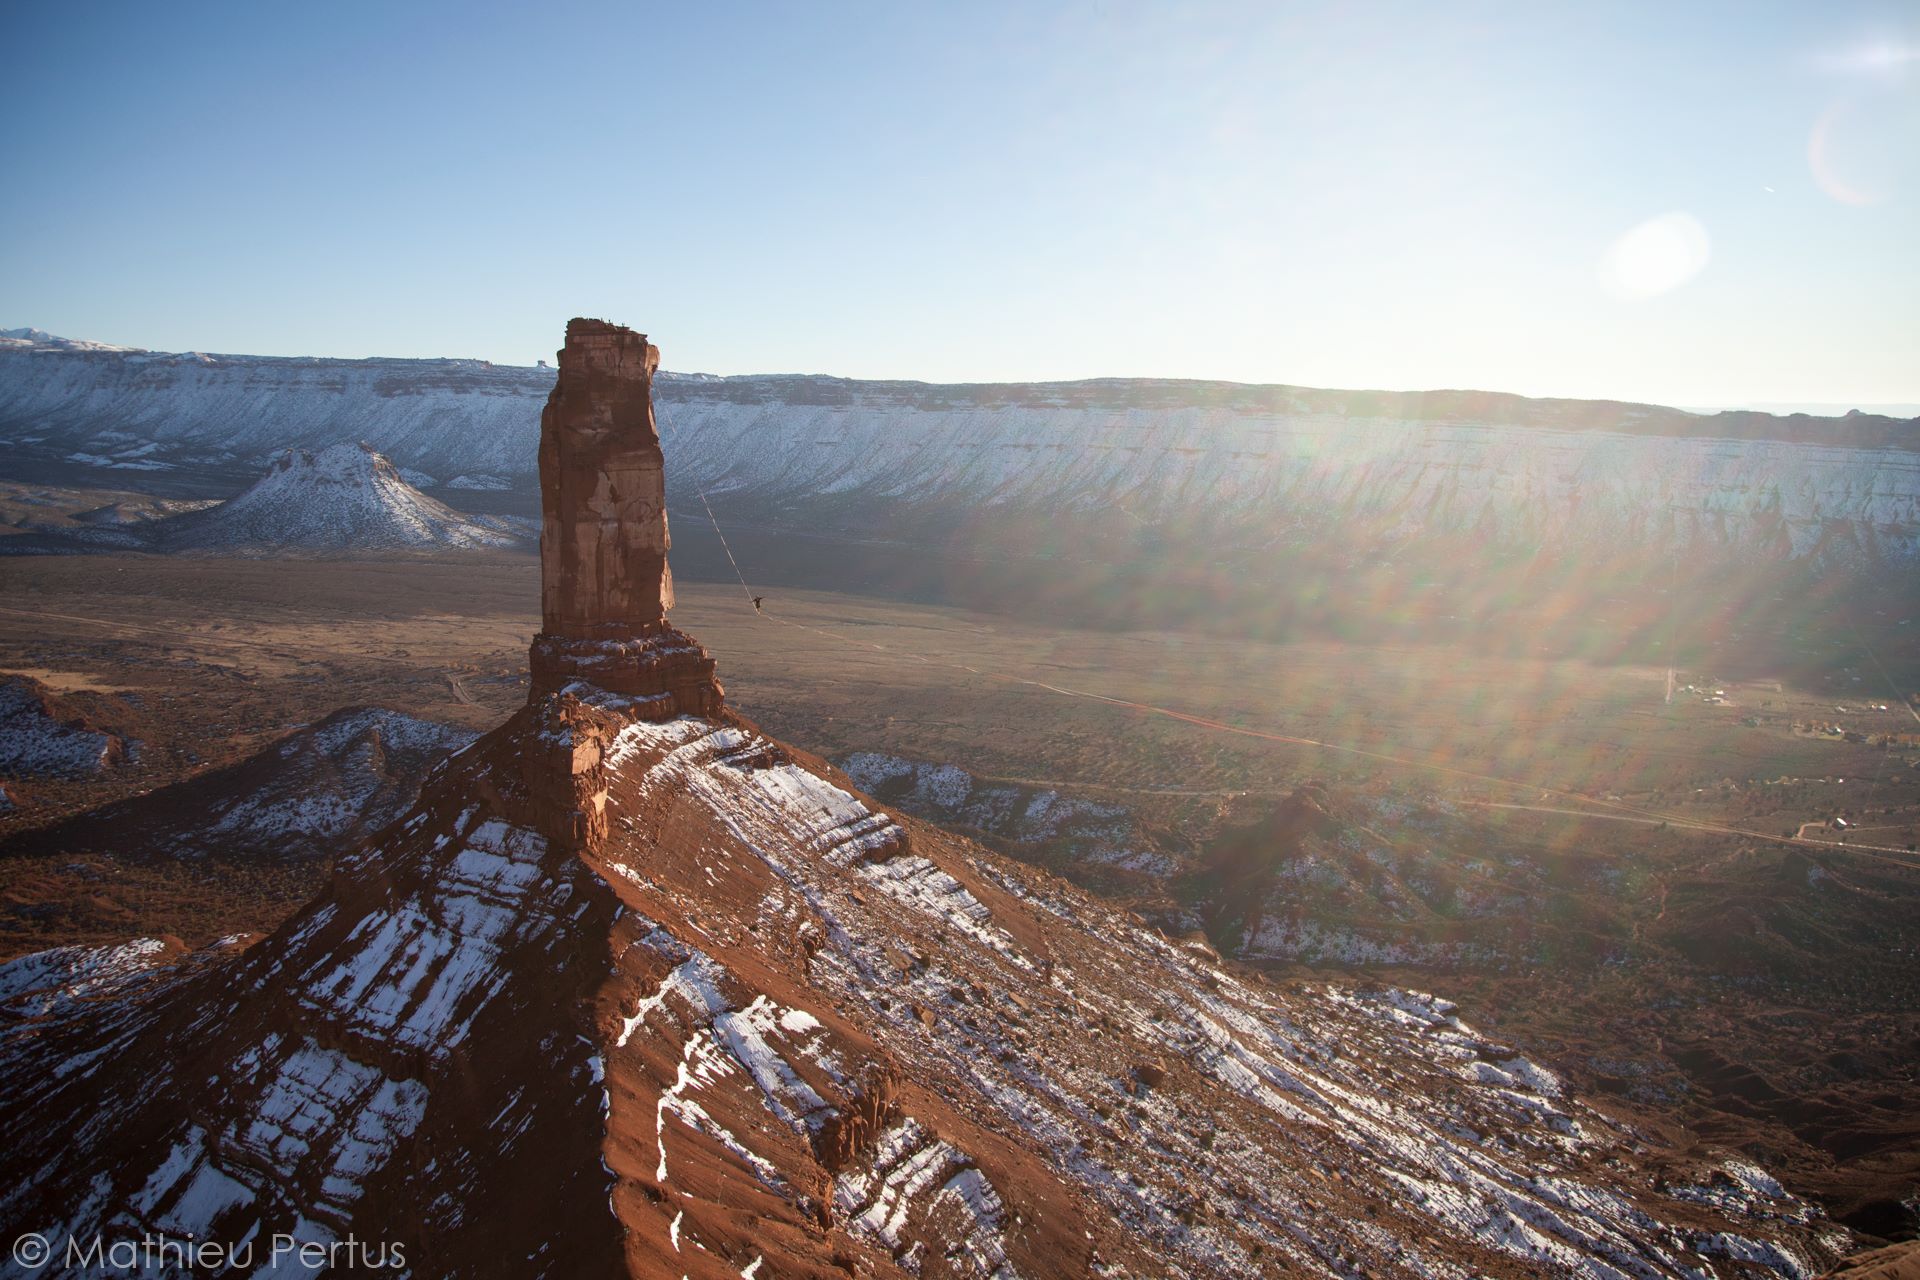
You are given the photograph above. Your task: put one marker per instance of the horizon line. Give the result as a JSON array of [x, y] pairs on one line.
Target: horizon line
[[1896, 410]]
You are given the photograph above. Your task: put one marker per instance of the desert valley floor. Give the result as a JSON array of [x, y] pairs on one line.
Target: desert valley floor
[[1719, 982]]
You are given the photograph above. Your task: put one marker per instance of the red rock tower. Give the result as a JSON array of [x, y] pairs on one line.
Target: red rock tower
[[604, 583]]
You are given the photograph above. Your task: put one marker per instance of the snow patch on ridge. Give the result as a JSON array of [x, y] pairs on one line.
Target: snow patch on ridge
[[723, 764], [53, 982], [416, 973], [914, 1173], [35, 745]]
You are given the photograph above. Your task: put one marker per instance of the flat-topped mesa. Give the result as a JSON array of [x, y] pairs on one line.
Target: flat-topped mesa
[[604, 584]]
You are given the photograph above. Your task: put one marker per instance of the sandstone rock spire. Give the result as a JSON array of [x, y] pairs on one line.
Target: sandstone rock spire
[[603, 536], [604, 583]]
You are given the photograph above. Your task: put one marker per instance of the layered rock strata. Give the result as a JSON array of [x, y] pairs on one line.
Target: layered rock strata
[[605, 586]]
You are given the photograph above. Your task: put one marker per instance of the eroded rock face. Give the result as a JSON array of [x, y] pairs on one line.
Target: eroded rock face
[[603, 538], [604, 583]]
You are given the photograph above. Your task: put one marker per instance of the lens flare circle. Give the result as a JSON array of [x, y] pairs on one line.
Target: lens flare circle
[[1656, 257], [1822, 161]]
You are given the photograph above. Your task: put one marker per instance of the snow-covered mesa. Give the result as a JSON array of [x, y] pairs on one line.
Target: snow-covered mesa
[[1279, 462], [345, 495]]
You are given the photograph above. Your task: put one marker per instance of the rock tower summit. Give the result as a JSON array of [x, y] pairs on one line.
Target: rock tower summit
[[604, 583]]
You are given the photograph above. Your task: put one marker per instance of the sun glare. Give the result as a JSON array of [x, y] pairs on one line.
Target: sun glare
[[1883, 57], [1656, 257]]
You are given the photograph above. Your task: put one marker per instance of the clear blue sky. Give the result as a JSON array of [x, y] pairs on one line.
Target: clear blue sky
[[1699, 203]]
